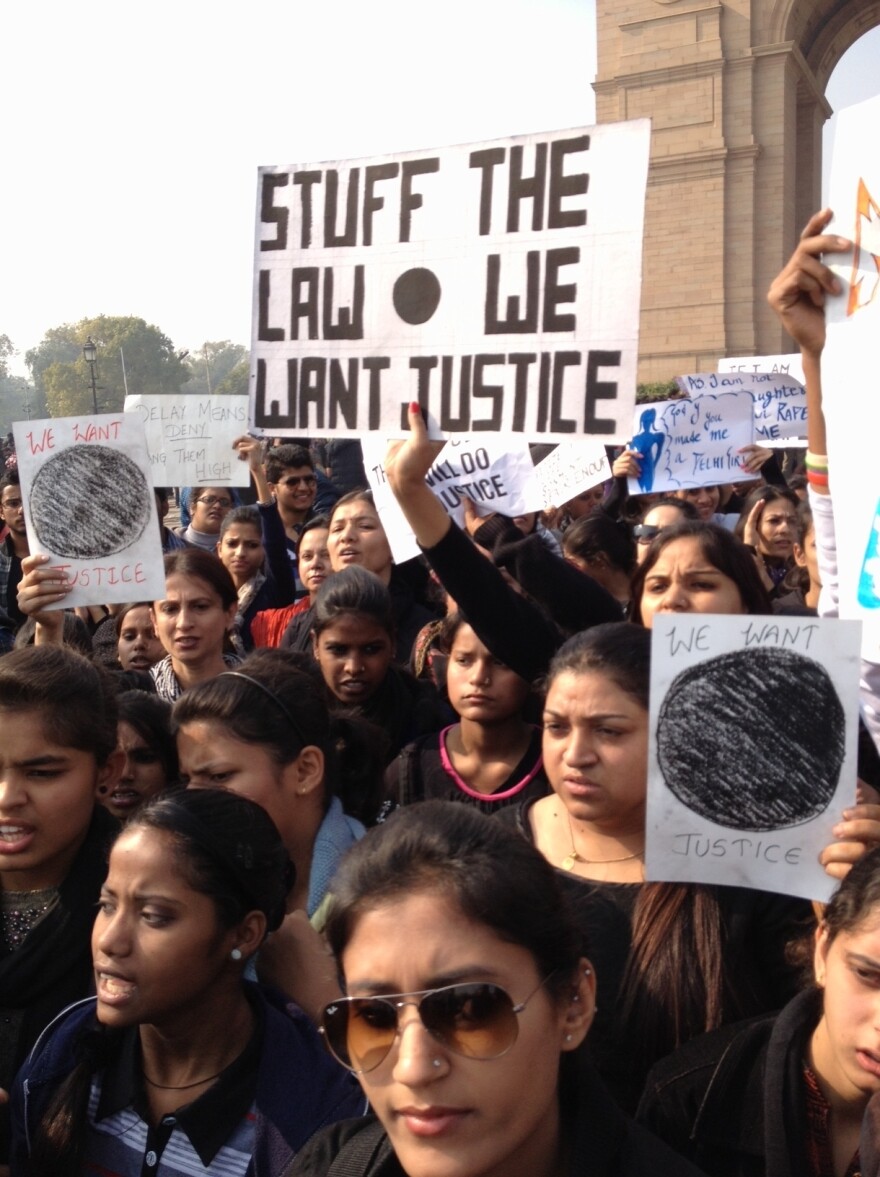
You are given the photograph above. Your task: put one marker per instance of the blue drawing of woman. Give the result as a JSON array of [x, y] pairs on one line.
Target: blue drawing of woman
[[649, 444]]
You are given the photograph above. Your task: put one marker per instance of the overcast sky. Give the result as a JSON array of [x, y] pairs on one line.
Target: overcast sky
[[132, 136]]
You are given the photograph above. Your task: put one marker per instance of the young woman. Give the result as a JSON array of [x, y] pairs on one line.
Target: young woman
[[58, 718], [255, 556], [664, 513], [193, 622], [149, 754], [603, 549], [671, 960], [137, 647], [696, 567], [467, 1000], [492, 756], [768, 526], [353, 641], [787, 1094], [313, 564], [178, 1066], [263, 730]]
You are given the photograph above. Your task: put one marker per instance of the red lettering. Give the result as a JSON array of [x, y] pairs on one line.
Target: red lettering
[[46, 442]]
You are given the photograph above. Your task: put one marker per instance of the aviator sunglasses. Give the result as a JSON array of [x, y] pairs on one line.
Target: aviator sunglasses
[[477, 1020]]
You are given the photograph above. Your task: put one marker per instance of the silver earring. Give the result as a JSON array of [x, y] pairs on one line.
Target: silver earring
[[235, 954], [437, 1063], [588, 972], [568, 1037]]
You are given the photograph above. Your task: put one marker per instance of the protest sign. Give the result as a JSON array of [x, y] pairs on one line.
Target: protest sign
[[686, 443], [752, 754], [787, 365], [496, 284], [495, 473], [572, 468], [849, 367], [780, 402], [89, 505], [190, 438]]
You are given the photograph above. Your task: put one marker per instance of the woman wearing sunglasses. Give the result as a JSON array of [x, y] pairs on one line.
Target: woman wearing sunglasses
[[661, 514], [468, 999]]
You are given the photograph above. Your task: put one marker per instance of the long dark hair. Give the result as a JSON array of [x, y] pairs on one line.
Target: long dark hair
[[206, 567], [490, 873], [228, 848], [150, 717], [723, 551], [673, 987]]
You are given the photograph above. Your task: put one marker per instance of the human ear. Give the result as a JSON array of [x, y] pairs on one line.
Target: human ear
[[580, 1009], [800, 557], [305, 775], [248, 935], [109, 772], [820, 954]]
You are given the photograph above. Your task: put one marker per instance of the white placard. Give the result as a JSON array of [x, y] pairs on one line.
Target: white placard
[[686, 443], [780, 402], [89, 504], [400, 535], [190, 438], [496, 283], [786, 365], [752, 756], [849, 368], [572, 468]]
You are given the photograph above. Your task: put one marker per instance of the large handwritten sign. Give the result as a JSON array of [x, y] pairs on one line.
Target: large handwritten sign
[[496, 284], [753, 731], [190, 438], [685, 443], [779, 399], [89, 504]]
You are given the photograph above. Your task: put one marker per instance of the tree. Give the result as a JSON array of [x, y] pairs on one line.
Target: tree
[[6, 350], [18, 402], [151, 364], [238, 381], [211, 365]]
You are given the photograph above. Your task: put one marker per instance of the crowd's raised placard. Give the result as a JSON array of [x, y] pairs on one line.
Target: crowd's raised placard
[[779, 399], [497, 284], [787, 365], [496, 473], [90, 506], [849, 367], [684, 443], [752, 749], [572, 468], [190, 438]]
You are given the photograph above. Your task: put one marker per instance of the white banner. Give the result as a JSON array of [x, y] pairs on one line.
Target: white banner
[[497, 284], [190, 438]]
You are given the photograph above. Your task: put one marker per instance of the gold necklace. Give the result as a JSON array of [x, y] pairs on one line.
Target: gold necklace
[[570, 859]]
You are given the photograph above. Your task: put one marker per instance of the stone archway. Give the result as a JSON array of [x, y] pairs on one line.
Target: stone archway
[[736, 94]]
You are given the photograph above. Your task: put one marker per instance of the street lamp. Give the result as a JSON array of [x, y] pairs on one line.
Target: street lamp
[[90, 353]]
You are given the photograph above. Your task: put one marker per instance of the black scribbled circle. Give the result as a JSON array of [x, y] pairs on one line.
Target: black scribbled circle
[[416, 295], [89, 502], [752, 740]]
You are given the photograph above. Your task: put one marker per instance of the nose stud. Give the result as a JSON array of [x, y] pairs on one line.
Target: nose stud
[[436, 1063]]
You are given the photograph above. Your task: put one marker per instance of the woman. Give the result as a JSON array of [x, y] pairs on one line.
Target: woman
[[603, 549], [58, 752], [768, 526], [468, 998], [193, 622], [149, 754], [357, 539], [492, 756], [255, 556], [697, 567], [137, 647], [786, 1095], [671, 960], [177, 1065], [263, 730], [313, 564], [664, 513], [353, 641]]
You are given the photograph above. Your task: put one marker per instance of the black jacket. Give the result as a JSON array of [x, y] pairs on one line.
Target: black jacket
[[604, 1141], [733, 1101]]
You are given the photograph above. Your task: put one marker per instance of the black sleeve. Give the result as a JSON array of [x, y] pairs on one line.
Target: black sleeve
[[614, 503], [771, 472], [511, 626]]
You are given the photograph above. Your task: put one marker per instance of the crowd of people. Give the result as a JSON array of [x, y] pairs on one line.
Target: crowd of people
[[313, 798]]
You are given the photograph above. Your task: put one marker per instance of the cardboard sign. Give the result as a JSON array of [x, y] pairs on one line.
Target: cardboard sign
[[497, 284], [89, 504], [687, 443], [752, 755], [780, 402], [572, 468], [190, 438], [849, 367]]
